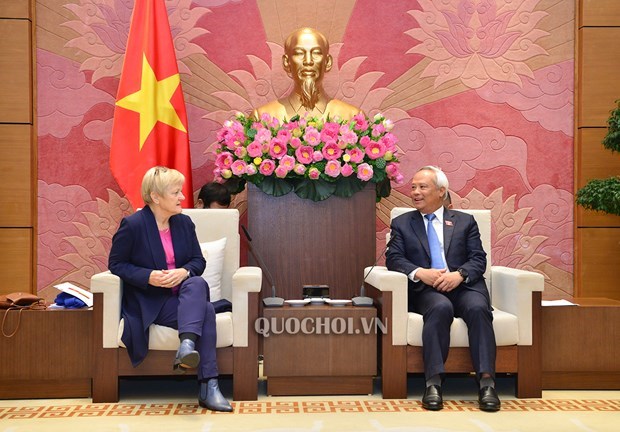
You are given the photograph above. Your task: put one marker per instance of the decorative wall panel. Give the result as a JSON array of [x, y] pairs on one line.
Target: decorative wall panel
[[482, 88]]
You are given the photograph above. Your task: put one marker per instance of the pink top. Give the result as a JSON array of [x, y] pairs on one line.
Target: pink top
[[166, 241]]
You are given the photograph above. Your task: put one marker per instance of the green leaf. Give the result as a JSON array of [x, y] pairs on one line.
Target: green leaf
[[601, 195], [315, 190], [347, 186], [383, 189], [275, 186]]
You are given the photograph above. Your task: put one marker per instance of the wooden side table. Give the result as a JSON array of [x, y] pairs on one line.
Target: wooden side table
[[49, 356], [581, 345], [320, 350]]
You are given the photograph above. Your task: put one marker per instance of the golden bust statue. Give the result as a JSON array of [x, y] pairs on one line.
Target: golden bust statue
[[306, 59]]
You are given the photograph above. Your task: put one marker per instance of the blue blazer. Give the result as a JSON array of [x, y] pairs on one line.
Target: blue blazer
[[137, 251], [462, 247]]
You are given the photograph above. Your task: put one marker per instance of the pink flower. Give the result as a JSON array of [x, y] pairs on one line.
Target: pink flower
[[288, 162], [365, 140], [263, 135], [240, 152], [329, 131], [364, 172], [304, 154], [312, 136], [277, 149], [313, 173], [360, 122], [356, 154], [346, 170], [295, 142], [331, 151], [224, 160], [300, 169], [392, 169], [265, 117], [238, 167], [389, 140], [399, 179], [266, 167], [281, 171], [317, 156], [274, 123], [347, 135], [291, 125], [284, 135], [377, 130], [250, 169], [255, 149], [375, 150], [332, 168]]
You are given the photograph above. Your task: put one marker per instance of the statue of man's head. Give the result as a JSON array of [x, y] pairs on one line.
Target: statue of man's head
[[306, 59]]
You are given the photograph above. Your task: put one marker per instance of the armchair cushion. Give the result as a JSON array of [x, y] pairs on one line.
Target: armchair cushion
[[163, 338], [213, 253], [506, 328]]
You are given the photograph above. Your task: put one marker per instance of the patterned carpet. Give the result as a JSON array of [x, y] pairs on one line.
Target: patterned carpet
[[300, 407]]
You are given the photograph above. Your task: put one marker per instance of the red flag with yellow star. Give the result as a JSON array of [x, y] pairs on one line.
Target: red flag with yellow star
[[150, 121]]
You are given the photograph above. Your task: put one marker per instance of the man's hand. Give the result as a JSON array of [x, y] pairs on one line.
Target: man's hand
[[430, 276], [447, 281]]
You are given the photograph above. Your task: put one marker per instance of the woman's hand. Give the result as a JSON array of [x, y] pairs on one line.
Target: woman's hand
[[167, 278]]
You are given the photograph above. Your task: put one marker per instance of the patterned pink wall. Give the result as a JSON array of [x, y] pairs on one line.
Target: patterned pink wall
[[482, 88]]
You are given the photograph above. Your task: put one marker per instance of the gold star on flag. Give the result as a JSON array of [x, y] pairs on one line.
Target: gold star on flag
[[152, 101]]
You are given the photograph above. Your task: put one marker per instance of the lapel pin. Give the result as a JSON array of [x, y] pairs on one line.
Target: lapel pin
[[449, 223]]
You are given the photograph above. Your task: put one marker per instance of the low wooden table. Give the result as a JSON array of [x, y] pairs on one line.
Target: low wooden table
[[581, 345], [50, 356], [320, 350]]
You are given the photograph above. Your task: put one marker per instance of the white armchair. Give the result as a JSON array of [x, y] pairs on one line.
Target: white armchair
[[237, 342], [516, 299]]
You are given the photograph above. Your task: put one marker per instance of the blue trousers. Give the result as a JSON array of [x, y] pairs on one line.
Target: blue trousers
[[438, 311], [192, 312]]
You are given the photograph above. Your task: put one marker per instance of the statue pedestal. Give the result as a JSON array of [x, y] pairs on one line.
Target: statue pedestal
[[303, 242]]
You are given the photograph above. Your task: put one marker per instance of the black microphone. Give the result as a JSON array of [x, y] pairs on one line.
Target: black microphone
[[272, 301], [362, 300]]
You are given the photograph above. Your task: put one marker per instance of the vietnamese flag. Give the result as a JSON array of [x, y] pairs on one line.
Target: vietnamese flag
[[150, 121]]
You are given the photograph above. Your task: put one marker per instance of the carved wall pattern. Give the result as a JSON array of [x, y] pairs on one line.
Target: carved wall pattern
[[482, 88]]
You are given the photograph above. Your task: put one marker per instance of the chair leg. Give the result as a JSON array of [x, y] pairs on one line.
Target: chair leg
[[529, 375], [245, 374], [105, 376], [394, 371]]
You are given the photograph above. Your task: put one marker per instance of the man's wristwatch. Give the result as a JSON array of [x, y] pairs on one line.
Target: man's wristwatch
[[189, 274], [463, 274]]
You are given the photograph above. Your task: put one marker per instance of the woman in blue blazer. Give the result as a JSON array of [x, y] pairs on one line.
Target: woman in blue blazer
[[157, 255]]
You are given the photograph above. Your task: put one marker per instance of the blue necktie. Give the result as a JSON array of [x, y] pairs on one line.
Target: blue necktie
[[434, 245]]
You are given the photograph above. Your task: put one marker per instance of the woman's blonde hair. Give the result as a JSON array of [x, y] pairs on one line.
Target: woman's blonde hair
[[158, 179]]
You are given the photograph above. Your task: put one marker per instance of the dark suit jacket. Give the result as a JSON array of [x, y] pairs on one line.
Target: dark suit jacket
[[462, 247], [137, 251]]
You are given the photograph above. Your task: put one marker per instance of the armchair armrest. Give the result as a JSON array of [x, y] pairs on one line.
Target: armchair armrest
[[111, 288], [246, 280], [512, 292], [385, 280]]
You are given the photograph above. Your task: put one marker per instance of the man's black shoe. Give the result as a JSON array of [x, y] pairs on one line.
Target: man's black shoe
[[432, 399], [488, 399]]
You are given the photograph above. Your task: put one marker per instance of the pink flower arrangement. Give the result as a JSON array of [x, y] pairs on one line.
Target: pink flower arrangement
[[335, 157]]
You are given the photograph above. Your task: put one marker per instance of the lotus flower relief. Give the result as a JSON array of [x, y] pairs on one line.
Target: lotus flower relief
[[102, 27], [475, 41]]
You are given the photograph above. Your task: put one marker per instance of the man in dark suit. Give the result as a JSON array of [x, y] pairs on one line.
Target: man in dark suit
[[440, 251]]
